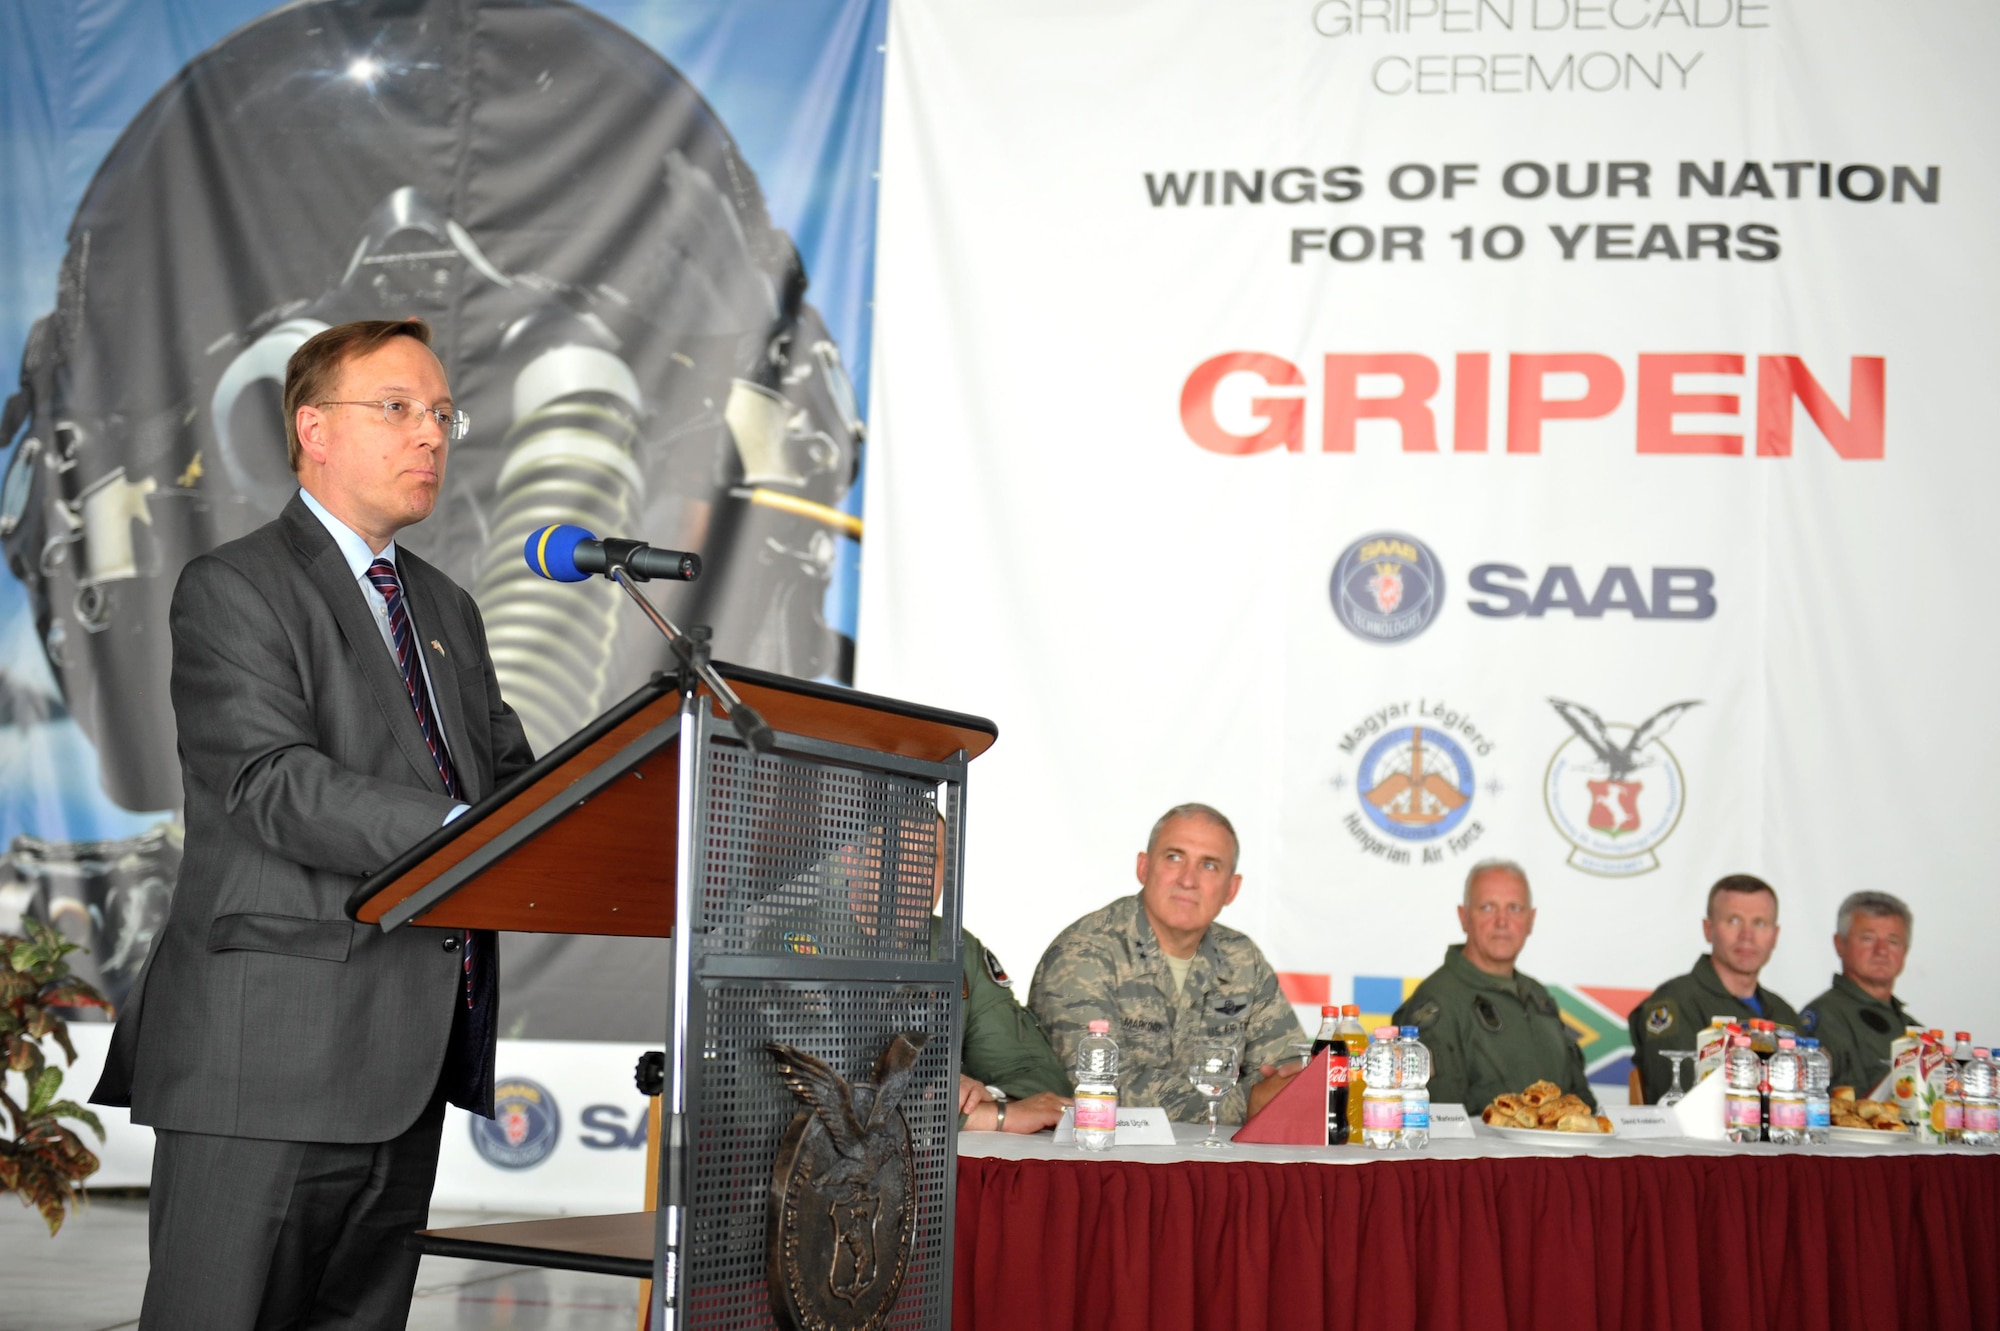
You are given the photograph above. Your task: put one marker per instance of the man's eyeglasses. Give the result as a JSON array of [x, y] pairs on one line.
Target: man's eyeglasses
[[405, 413]]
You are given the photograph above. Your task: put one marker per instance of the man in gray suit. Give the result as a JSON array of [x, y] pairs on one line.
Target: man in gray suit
[[336, 704]]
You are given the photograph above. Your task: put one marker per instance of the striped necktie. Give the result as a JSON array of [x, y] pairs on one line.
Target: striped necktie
[[383, 574]]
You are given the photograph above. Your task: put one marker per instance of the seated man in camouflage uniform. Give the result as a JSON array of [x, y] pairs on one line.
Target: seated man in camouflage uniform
[[1163, 973], [1742, 930], [1491, 1029], [1861, 1016]]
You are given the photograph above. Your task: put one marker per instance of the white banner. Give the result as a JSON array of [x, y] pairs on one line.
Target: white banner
[[1368, 415], [569, 1135]]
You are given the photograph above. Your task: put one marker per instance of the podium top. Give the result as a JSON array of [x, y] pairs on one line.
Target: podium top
[[613, 871]]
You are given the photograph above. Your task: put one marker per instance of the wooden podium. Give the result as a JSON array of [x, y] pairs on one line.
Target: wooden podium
[[797, 887]]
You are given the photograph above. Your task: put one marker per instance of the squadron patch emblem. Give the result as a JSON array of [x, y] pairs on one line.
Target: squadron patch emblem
[[1808, 1021], [1489, 1016], [995, 970], [1661, 1019], [1425, 1014]]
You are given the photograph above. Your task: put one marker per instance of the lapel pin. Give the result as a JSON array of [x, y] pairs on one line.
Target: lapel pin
[[437, 647]]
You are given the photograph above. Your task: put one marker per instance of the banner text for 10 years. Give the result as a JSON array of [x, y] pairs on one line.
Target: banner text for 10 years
[[1411, 182]]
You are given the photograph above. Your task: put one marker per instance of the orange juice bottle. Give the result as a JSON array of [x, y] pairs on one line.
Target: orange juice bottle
[[1352, 1034]]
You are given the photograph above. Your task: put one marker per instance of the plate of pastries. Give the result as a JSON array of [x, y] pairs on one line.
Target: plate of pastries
[[1864, 1120], [1542, 1113]]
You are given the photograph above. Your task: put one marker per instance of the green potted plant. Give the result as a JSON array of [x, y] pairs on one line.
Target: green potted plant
[[40, 1158]]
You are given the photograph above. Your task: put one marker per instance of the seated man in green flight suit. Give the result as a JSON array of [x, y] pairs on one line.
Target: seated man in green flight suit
[[1009, 1078], [1860, 1016], [1742, 931], [1491, 1029]]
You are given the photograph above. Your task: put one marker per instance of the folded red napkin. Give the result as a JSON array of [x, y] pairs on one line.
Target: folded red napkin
[[1296, 1116]]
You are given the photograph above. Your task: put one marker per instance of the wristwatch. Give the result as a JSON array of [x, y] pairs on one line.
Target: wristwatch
[[999, 1107]]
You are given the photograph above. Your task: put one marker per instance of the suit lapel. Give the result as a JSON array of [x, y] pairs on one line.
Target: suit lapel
[[428, 621], [337, 585]]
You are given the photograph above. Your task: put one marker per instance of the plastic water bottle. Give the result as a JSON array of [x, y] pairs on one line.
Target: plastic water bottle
[[1982, 1100], [1742, 1105], [1415, 1062], [1382, 1098], [1819, 1092], [1786, 1073], [1097, 1088]]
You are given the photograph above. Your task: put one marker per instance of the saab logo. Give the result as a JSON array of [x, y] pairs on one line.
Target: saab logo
[[1387, 587], [1615, 791], [524, 1128], [603, 1128], [1677, 593], [1414, 782]]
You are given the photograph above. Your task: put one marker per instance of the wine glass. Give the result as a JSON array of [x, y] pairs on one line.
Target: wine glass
[[1675, 1094], [1213, 1069]]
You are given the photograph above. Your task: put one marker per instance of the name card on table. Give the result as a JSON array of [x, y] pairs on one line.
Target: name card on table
[[1643, 1121], [1450, 1123], [1136, 1127]]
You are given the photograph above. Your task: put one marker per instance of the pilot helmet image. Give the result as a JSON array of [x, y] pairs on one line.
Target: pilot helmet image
[[624, 326]]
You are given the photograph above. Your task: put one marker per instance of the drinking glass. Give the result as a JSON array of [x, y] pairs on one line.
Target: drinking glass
[[1213, 1070], [1677, 1057]]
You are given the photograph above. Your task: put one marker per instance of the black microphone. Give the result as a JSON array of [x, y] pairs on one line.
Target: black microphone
[[565, 553]]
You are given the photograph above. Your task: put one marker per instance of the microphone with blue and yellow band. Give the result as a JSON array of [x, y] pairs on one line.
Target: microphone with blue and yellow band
[[565, 553]]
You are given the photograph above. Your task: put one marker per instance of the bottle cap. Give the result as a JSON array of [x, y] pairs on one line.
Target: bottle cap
[[1982, 1052], [1100, 1028], [1740, 1041], [1937, 1035], [1409, 1032], [1965, 1037], [1350, 1009], [1329, 1010], [1385, 1032], [1788, 1042], [1807, 1042]]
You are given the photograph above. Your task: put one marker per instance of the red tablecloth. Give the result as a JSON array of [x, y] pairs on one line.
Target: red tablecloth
[[1734, 1244]]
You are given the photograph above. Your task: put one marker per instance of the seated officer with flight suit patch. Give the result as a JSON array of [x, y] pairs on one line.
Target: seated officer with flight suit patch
[[1163, 973], [1857, 1019], [1004, 1049], [1742, 931], [1491, 1029]]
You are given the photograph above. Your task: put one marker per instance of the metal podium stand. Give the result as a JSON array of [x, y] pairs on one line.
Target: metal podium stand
[[797, 887]]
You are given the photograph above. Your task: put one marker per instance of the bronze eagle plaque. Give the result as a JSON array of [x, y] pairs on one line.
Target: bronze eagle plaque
[[843, 1193]]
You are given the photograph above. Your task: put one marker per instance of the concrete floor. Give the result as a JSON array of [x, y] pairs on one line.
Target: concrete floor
[[92, 1275]]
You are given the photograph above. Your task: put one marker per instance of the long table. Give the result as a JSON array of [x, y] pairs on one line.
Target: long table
[[1487, 1233]]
